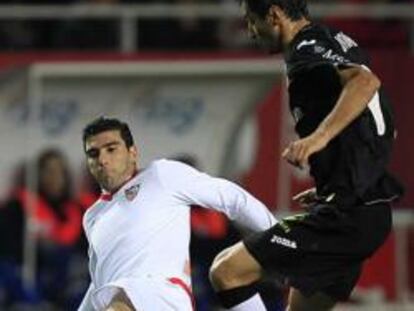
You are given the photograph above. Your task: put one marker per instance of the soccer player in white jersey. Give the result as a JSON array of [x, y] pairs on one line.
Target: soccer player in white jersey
[[139, 230]]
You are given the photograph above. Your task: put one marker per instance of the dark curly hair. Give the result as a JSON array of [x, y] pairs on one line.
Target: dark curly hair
[[103, 124], [294, 9]]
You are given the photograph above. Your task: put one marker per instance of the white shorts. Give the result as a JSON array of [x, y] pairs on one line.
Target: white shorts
[[146, 294]]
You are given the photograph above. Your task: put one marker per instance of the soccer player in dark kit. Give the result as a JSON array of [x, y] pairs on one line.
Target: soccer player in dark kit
[[346, 131]]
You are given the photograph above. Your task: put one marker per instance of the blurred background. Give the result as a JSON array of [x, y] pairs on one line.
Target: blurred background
[[193, 87]]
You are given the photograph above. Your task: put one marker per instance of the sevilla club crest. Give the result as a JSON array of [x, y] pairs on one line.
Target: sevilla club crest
[[131, 192]]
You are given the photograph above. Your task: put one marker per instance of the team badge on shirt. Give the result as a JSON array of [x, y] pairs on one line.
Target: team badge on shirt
[[131, 192]]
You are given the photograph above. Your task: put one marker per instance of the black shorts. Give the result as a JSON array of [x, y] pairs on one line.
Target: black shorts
[[322, 250]]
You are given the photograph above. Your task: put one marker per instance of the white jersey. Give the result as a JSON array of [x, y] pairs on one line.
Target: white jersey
[[139, 237]]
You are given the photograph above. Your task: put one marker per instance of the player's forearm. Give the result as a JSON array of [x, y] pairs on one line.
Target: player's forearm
[[255, 217], [232, 200], [243, 208], [360, 86]]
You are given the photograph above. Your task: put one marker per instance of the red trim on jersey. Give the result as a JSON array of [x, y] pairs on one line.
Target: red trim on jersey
[[106, 196], [185, 287]]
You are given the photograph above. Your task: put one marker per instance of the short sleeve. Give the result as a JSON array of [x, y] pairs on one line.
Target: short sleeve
[[318, 48]]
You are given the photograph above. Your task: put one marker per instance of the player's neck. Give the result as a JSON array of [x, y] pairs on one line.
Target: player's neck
[[293, 28], [126, 180]]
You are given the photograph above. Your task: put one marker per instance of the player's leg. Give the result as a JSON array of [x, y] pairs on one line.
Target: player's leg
[[234, 267], [234, 274], [120, 302], [348, 265], [317, 302], [119, 306]]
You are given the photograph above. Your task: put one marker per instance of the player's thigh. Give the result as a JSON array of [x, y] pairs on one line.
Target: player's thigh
[[120, 302], [119, 306], [317, 302], [235, 265]]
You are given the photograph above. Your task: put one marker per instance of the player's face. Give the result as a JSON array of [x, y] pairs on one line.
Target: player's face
[[263, 31], [109, 160]]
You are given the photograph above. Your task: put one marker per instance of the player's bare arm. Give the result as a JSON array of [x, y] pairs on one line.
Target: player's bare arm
[[359, 86]]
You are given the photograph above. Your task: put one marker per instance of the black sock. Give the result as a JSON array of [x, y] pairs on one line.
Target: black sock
[[235, 296]]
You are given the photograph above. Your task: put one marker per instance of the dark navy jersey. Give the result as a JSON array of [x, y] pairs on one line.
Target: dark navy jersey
[[353, 165]]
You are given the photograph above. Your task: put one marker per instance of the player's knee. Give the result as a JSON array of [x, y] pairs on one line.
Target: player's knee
[[226, 271], [222, 274], [119, 306], [120, 302]]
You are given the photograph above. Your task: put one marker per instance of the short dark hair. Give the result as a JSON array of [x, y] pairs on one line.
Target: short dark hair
[[103, 124], [294, 9]]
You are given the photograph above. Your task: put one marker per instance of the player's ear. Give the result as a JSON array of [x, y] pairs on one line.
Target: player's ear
[[134, 151], [275, 15]]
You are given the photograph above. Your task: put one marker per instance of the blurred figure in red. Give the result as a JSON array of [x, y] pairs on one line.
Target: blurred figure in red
[[58, 221], [89, 191]]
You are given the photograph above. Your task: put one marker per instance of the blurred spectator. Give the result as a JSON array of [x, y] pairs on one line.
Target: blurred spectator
[[188, 33], [87, 34], [58, 220], [89, 190], [28, 34], [184, 34], [70, 34]]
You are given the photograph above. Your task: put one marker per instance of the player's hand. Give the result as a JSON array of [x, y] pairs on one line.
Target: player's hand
[[306, 198], [299, 151]]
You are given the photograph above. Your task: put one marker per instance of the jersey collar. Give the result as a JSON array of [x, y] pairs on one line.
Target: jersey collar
[[108, 196], [297, 38]]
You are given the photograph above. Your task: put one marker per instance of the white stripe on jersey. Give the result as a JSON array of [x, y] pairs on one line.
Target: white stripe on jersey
[[375, 108]]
